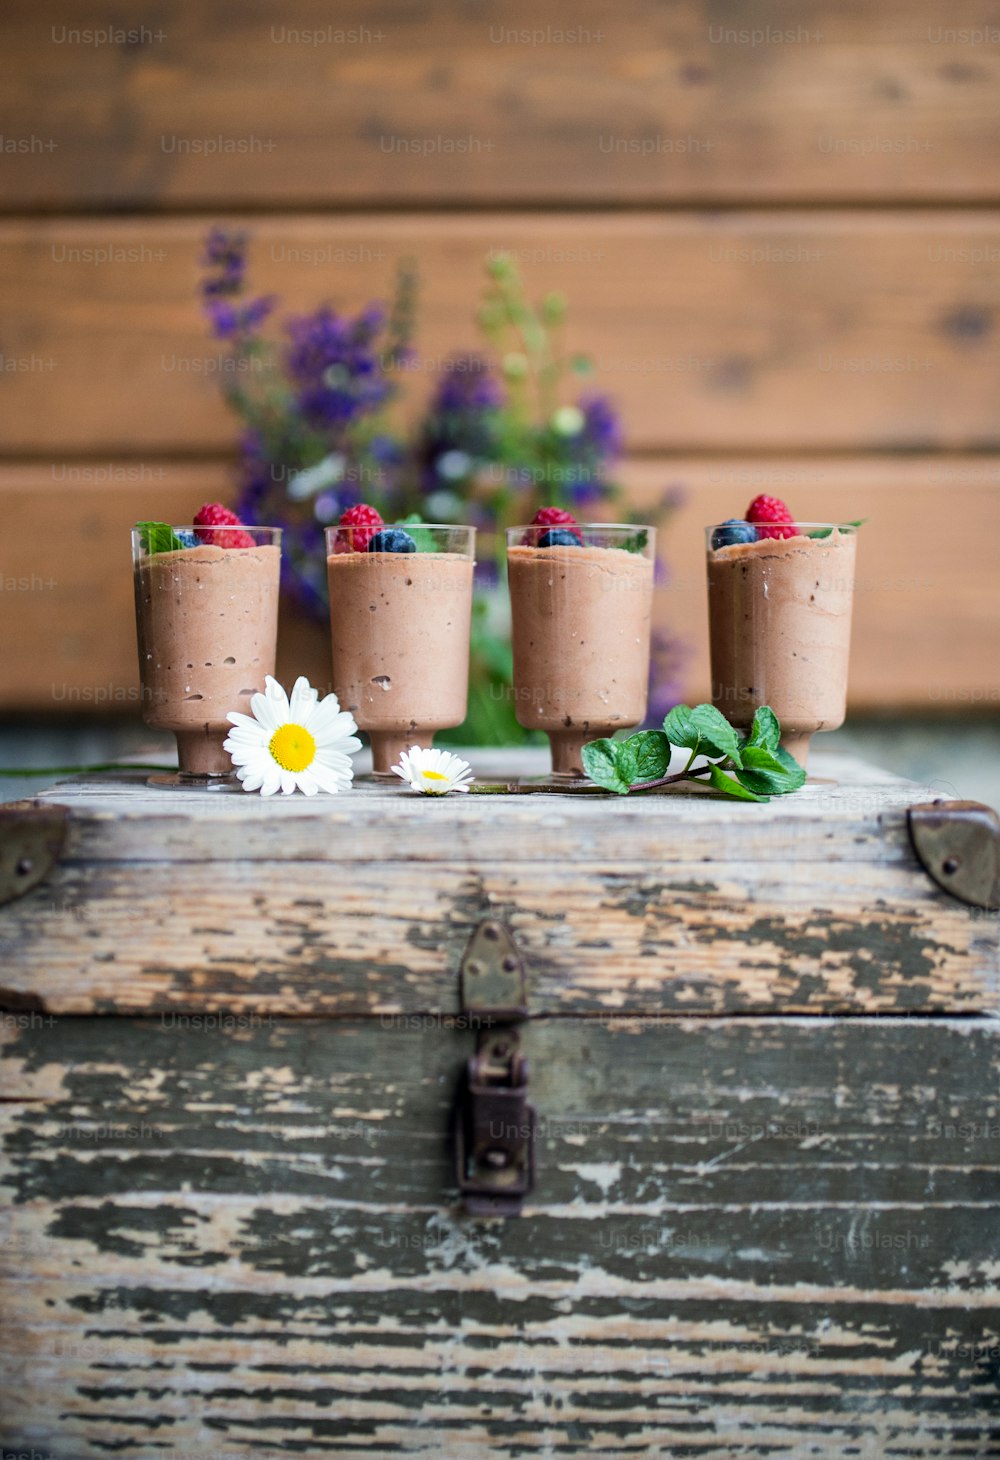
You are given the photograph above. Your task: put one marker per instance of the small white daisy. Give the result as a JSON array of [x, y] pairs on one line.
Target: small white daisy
[[304, 745], [434, 772]]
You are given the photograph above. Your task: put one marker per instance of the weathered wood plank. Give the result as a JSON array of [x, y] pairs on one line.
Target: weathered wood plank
[[471, 104], [927, 625], [675, 904], [729, 332], [773, 1237]]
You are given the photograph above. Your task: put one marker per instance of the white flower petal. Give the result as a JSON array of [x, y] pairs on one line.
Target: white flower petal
[[330, 780], [244, 722], [277, 698], [340, 727], [265, 714], [272, 780], [302, 702]]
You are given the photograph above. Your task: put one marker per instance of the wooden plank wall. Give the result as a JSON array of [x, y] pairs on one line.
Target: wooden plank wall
[[779, 231]]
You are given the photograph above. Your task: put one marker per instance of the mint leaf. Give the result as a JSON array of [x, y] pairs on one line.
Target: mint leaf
[[703, 729], [765, 729], [790, 763], [729, 787], [768, 775], [158, 537], [424, 540], [651, 752], [602, 762], [826, 531], [637, 542]]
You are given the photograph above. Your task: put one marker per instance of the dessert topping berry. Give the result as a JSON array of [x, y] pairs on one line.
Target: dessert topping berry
[[218, 527], [559, 537], [733, 530], [365, 521], [556, 517], [552, 517], [392, 540], [771, 517]]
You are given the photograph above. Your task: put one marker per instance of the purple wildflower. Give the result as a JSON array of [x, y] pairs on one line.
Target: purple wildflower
[[333, 362], [460, 430], [602, 429], [228, 319], [466, 388], [225, 260]]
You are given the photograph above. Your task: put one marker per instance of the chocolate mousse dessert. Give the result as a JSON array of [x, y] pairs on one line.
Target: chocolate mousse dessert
[[779, 609], [206, 601], [581, 598], [400, 618]]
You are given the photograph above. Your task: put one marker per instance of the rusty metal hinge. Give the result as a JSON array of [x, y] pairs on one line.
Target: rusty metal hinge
[[958, 844], [495, 1125], [31, 842]]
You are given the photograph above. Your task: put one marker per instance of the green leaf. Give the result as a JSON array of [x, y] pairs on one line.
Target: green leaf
[[636, 543], [424, 540], [651, 752], [602, 761], [158, 537], [766, 772], [765, 729], [826, 531], [790, 763], [729, 787], [703, 729]]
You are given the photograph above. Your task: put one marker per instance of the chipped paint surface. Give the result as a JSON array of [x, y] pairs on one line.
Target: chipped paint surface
[[772, 937], [662, 904], [750, 1237]]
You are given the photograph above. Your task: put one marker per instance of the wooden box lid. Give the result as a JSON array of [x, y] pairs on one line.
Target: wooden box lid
[[362, 904]]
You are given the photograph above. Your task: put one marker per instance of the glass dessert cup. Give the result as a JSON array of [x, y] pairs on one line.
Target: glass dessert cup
[[207, 628], [779, 619], [581, 617], [399, 625]]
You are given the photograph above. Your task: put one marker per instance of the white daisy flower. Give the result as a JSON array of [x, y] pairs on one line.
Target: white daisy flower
[[304, 745], [434, 772]]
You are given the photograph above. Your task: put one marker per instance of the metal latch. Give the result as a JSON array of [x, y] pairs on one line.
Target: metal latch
[[31, 842], [495, 1126], [958, 844]]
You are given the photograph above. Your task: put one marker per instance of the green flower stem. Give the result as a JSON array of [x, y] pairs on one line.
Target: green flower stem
[[576, 788]]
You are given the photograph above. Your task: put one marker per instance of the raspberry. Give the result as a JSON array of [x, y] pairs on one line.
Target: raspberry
[[556, 517], [366, 521], [216, 524], [771, 511]]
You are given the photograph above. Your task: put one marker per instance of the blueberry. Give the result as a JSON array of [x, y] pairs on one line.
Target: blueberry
[[559, 537], [734, 529], [392, 540], [187, 537]]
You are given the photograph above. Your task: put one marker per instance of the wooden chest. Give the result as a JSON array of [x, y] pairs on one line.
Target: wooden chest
[[763, 1070]]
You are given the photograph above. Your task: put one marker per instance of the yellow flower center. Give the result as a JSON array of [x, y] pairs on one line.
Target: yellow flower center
[[435, 776], [293, 747]]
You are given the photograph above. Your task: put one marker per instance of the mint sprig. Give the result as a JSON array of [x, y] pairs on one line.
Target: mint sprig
[[826, 531], [423, 538], [159, 537], [751, 767]]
